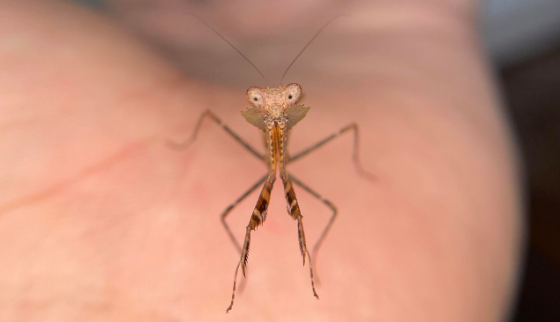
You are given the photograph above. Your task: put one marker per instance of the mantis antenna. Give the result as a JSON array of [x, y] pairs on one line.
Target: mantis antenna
[[307, 45], [229, 43]]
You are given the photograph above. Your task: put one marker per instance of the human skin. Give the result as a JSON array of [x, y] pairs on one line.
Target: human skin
[[100, 221]]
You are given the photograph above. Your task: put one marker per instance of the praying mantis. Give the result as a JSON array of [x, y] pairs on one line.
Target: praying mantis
[[274, 111]]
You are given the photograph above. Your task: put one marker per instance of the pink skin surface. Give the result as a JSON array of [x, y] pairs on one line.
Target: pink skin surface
[[99, 221]]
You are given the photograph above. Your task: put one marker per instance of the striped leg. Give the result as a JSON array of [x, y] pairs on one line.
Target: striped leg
[[354, 127], [295, 212], [230, 208], [291, 200], [257, 218], [184, 145], [329, 224]]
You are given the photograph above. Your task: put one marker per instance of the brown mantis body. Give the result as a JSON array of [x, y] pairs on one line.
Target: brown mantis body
[[274, 111]]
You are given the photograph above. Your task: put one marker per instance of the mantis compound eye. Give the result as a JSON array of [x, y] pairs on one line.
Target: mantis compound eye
[[292, 93], [255, 97]]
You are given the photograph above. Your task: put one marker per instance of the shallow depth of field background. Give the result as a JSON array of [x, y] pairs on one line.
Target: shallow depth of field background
[[523, 40]]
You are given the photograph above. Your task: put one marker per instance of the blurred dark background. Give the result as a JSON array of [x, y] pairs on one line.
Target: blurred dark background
[[532, 91], [523, 39]]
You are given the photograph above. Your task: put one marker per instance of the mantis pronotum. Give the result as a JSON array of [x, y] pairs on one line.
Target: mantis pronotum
[[274, 111]]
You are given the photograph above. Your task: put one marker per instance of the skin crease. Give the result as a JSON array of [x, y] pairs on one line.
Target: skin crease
[[99, 221]]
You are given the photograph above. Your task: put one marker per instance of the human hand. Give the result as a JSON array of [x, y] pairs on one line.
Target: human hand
[[101, 222]]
